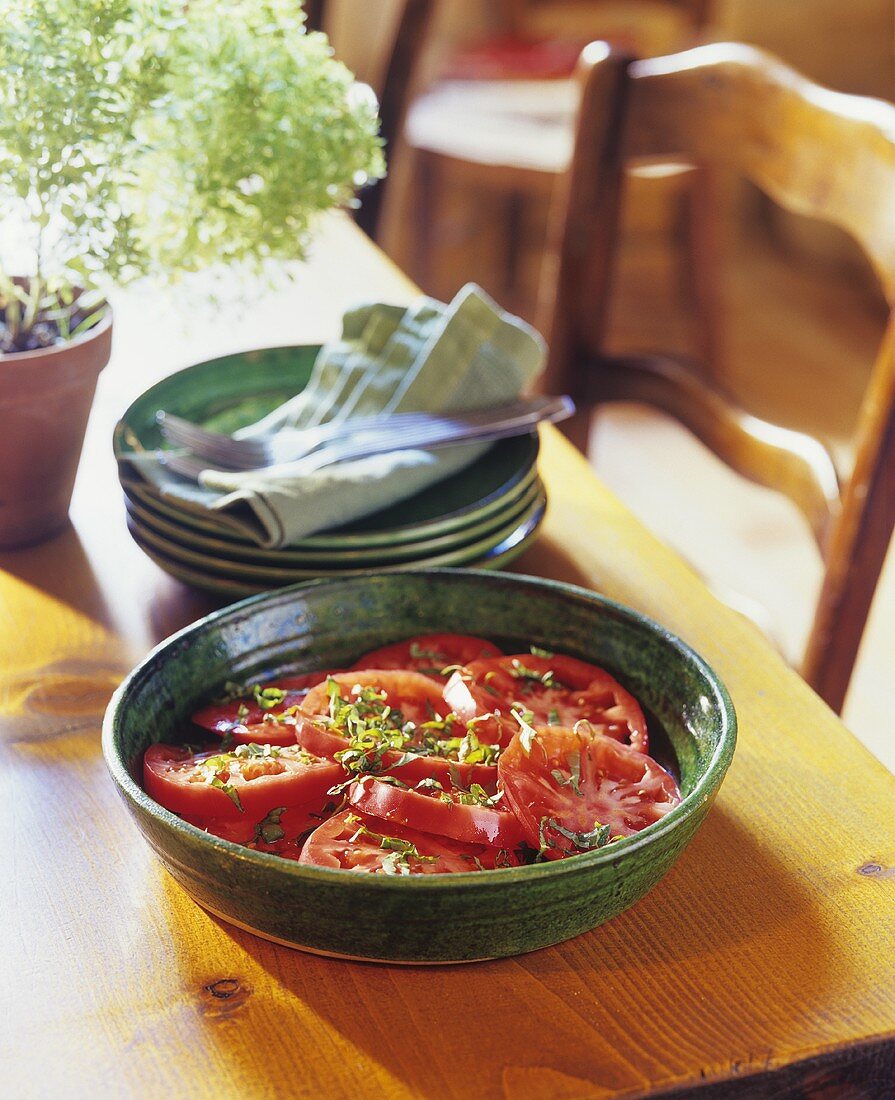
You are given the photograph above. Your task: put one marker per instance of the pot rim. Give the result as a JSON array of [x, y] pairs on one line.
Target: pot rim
[[99, 329]]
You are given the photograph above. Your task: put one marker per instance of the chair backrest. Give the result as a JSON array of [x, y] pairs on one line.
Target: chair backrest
[[814, 151], [398, 73]]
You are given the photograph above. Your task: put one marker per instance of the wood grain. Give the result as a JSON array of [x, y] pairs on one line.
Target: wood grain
[[771, 944]]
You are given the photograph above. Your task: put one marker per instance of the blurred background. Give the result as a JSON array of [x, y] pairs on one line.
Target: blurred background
[[486, 106]]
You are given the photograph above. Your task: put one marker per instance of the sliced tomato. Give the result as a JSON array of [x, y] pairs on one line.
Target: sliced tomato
[[272, 730], [433, 808], [557, 691], [392, 709], [447, 770], [573, 790], [246, 782], [430, 654], [410, 763], [251, 709], [408, 696], [281, 825], [353, 841], [407, 725]]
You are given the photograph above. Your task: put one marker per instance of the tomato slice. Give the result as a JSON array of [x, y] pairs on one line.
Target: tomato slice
[[407, 696], [251, 780], [271, 731], [412, 763], [573, 790], [282, 828], [557, 691], [250, 710], [434, 808], [430, 654], [353, 841], [392, 719]]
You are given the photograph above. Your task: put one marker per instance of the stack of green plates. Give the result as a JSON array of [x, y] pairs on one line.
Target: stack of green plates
[[483, 516]]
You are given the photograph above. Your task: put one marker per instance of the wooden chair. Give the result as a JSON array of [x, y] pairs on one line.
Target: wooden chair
[[815, 152], [511, 139], [398, 73]]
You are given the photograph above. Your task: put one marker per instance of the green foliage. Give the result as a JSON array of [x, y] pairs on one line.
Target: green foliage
[[158, 136]]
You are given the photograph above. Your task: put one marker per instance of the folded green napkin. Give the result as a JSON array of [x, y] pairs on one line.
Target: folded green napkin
[[427, 357]]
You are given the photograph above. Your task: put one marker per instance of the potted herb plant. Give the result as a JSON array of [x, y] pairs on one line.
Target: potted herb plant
[[145, 137]]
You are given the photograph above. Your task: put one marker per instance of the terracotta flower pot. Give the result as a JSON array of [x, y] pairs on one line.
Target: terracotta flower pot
[[45, 399]]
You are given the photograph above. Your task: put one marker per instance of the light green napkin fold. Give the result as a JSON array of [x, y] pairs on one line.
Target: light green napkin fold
[[427, 357]]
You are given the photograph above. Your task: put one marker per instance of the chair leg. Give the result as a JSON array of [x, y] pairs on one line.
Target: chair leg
[[512, 250], [855, 561], [426, 180], [577, 429]]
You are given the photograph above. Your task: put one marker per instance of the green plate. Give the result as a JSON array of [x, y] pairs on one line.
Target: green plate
[[147, 496], [502, 555], [235, 390], [424, 918], [252, 577], [148, 517]]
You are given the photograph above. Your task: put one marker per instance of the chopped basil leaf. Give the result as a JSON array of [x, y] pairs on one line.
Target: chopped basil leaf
[[572, 780], [229, 790], [528, 855], [527, 732], [270, 830], [392, 781], [395, 863], [254, 751], [284, 717], [395, 844], [522, 673], [268, 697], [598, 837]]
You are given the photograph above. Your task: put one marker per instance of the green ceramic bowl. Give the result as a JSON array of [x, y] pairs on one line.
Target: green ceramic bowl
[[426, 918]]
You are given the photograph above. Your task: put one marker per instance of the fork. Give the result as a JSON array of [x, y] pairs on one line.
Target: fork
[[291, 444], [287, 444], [435, 431]]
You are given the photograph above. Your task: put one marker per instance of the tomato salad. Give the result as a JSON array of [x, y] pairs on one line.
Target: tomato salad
[[435, 755]]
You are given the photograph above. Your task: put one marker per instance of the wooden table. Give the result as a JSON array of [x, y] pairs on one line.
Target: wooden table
[[763, 964]]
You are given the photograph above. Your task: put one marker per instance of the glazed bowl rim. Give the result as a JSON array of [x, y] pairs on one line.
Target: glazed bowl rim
[[707, 784]]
